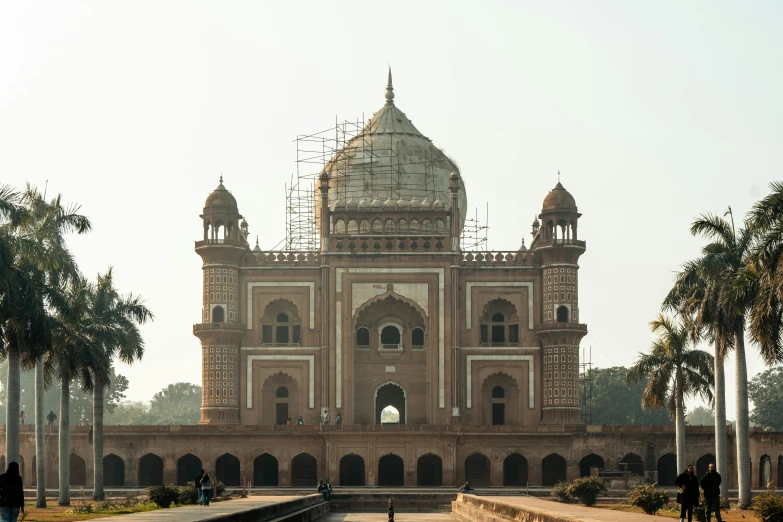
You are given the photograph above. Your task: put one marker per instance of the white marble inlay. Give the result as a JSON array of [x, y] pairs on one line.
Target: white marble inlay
[[500, 284], [441, 322], [531, 374], [251, 285], [311, 373]]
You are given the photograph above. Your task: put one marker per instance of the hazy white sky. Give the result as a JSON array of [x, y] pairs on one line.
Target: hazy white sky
[[653, 111]]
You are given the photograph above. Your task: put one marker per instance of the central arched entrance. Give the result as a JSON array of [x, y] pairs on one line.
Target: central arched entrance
[[188, 466], [391, 471], [265, 469], [515, 470], [429, 471], [352, 470], [477, 470], [390, 394], [304, 470]]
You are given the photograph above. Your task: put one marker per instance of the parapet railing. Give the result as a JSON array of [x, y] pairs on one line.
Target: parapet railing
[[497, 258], [283, 257]]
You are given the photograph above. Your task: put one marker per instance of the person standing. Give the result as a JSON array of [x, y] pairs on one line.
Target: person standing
[[51, 417], [11, 494], [198, 480], [710, 484], [687, 492], [299, 421], [206, 488], [22, 417], [338, 419]]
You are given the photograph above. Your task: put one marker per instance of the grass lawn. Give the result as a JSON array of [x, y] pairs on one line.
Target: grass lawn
[[84, 509], [673, 511]]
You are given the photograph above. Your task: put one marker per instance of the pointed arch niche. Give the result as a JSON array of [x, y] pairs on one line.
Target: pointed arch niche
[[280, 324]]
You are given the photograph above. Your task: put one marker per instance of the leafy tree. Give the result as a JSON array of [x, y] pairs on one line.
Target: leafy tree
[[178, 403], [616, 402], [700, 416], [766, 392], [673, 371]]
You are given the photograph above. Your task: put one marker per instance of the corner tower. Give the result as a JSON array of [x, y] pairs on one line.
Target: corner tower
[[220, 331], [560, 332]]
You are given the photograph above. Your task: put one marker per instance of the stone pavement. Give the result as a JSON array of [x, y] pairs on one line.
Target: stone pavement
[[383, 517], [523, 507], [196, 513]]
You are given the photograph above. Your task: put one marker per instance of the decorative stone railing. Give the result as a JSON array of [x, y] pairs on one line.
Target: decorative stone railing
[[560, 242], [368, 244], [498, 258], [562, 326], [283, 257], [224, 242]]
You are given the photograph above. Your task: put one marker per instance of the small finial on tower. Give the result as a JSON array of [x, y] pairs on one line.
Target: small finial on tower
[[558, 175], [389, 90], [221, 178], [257, 240]]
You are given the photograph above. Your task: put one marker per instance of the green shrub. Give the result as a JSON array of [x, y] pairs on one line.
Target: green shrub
[[188, 495], [560, 492], [586, 490], [649, 498], [163, 495], [768, 507]]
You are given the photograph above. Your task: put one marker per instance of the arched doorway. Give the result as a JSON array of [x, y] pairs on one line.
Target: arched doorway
[[281, 399], [352, 470], [499, 400], [391, 471], [304, 470], [227, 470], [188, 466], [429, 470], [780, 471], [633, 463], [515, 470], [667, 470], [765, 470], [265, 470], [477, 470], [150, 470], [702, 464], [78, 471], [589, 462], [390, 394], [553, 469], [114, 471]]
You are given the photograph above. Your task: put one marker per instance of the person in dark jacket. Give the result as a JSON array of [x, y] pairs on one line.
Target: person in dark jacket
[[710, 484], [206, 488], [11, 494], [198, 480], [687, 492]]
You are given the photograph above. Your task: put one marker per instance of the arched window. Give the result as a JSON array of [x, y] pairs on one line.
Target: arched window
[[499, 324], [498, 392], [440, 225], [402, 226], [417, 338], [363, 337], [353, 226], [414, 227], [390, 337], [280, 324], [426, 225], [364, 227], [377, 226], [339, 227], [218, 315], [388, 227], [562, 314], [498, 329], [281, 392]]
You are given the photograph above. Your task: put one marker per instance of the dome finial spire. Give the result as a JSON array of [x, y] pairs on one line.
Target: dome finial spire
[[389, 90]]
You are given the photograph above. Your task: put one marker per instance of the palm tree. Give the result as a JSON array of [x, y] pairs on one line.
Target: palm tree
[[115, 332], [673, 371]]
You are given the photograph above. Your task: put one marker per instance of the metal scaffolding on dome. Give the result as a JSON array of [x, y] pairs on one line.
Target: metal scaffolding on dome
[[475, 234], [347, 153]]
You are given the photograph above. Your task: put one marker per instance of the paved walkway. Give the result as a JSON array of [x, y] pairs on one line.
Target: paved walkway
[[197, 513], [573, 511], [383, 517]]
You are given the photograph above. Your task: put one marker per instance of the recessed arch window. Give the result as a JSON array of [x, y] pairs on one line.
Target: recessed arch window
[[402, 226], [390, 337], [417, 338], [281, 324], [440, 225], [562, 314], [499, 324], [364, 227], [498, 392], [339, 227], [377, 226], [353, 226], [426, 225], [281, 392], [218, 315], [414, 226], [388, 227], [362, 337]]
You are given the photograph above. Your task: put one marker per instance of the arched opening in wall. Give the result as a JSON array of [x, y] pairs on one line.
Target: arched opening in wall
[[388, 226], [339, 227], [390, 337], [188, 467], [667, 470], [413, 228], [353, 226], [391, 471], [377, 226], [390, 394], [426, 226], [402, 227], [304, 470], [562, 314], [265, 470], [477, 470], [362, 337], [218, 315], [633, 463], [780, 471], [33, 472], [515, 470], [500, 400], [553, 469], [364, 226], [429, 470], [440, 225], [549, 230], [281, 325], [227, 470], [417, 338], [78, 471], [114, 471], [499, 324], [280, 399], [150, 470], [281, 405], [498, 406], [352, 470], [390, 415], [702, 464], [589, 462], [765, 470]]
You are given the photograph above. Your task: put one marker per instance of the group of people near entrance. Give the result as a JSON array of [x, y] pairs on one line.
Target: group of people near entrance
[[688, 492], [204, 487]]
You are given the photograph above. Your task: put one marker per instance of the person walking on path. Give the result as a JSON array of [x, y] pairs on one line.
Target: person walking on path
[[51, 418], [687, 492], [710, 484], [198, 480], [206, 488], [11, 494]]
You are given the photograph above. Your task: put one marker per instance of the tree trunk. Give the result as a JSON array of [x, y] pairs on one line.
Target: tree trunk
[[721, 456], [40, 435], [680, 428], [12, 411], [65, 443], [743, 431], [97, 438]]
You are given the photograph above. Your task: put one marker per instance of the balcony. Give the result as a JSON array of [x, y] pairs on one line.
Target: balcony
[[562, 326], [560, 242], [221, 242]]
